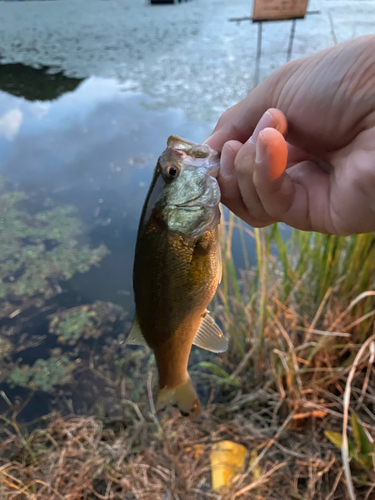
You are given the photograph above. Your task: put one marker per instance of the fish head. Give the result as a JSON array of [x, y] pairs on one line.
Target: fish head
[[188, 194]]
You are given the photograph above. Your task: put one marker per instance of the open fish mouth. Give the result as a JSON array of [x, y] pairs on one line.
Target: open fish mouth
[[199, 155], [196, 188]]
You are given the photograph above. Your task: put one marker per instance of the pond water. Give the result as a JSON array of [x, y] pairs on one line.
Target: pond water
[[89, 93], [94, 147], [91, 144]]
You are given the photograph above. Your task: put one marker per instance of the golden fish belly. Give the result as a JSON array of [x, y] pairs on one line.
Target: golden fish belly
[[172, 356]]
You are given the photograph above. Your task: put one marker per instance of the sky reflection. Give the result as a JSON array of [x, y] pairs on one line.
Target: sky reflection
[[94, 147]]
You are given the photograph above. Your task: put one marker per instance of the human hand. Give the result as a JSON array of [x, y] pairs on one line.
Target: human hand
[[300, 148]]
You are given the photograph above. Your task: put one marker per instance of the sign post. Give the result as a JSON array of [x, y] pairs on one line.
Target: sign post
[[276, 10]]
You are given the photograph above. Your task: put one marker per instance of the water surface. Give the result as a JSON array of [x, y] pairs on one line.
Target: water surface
[[92, 144]]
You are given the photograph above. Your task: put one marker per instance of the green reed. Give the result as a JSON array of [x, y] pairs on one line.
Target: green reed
[[313, 264], [304, 271]]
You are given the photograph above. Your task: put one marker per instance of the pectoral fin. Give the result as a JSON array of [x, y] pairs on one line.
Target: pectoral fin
[[135, 336], [210, 337]]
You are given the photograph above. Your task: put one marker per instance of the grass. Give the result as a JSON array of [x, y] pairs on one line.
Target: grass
[[300, 369]]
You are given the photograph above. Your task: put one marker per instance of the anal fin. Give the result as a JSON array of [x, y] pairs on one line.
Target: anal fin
[[135, 336], [209, 336]]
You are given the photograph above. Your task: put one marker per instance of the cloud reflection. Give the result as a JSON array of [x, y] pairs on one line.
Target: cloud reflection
[[10, 123], [94, 148]]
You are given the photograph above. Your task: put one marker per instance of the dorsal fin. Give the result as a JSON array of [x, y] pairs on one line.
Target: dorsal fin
[[210, 337], [135, 336]]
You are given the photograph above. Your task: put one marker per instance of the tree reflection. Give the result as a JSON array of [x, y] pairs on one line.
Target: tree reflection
[[35, 84]]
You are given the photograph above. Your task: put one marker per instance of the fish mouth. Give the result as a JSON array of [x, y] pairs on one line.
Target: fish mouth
[[196, 154]]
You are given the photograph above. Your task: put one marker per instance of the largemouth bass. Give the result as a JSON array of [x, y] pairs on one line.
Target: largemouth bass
[[177, 268]]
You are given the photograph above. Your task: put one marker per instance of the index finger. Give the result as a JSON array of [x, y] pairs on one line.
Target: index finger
[[238, 122]]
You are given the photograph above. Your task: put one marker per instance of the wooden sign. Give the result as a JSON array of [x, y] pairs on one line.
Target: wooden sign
[[278, 10]]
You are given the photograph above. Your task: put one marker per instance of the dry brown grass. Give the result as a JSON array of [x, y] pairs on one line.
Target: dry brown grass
[[78, 458]]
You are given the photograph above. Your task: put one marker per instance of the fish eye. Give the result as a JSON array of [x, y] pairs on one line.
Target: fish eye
[[172, 172]]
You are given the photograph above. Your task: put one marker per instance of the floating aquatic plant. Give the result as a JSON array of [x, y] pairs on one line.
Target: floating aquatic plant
[[70, 326], [44, 374], [6, 348], [87, 321], [39, 249]]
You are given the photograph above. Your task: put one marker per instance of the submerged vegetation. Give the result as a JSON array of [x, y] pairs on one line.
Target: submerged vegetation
[[70, 326], [39, 249], [296, 389], [43, 375]]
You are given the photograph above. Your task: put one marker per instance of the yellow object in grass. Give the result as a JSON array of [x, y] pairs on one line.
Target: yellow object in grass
[[227, 460], [255, 468], [197, 450]]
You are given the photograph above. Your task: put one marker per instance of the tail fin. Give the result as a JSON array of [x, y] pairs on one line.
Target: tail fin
[[184, 396]]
